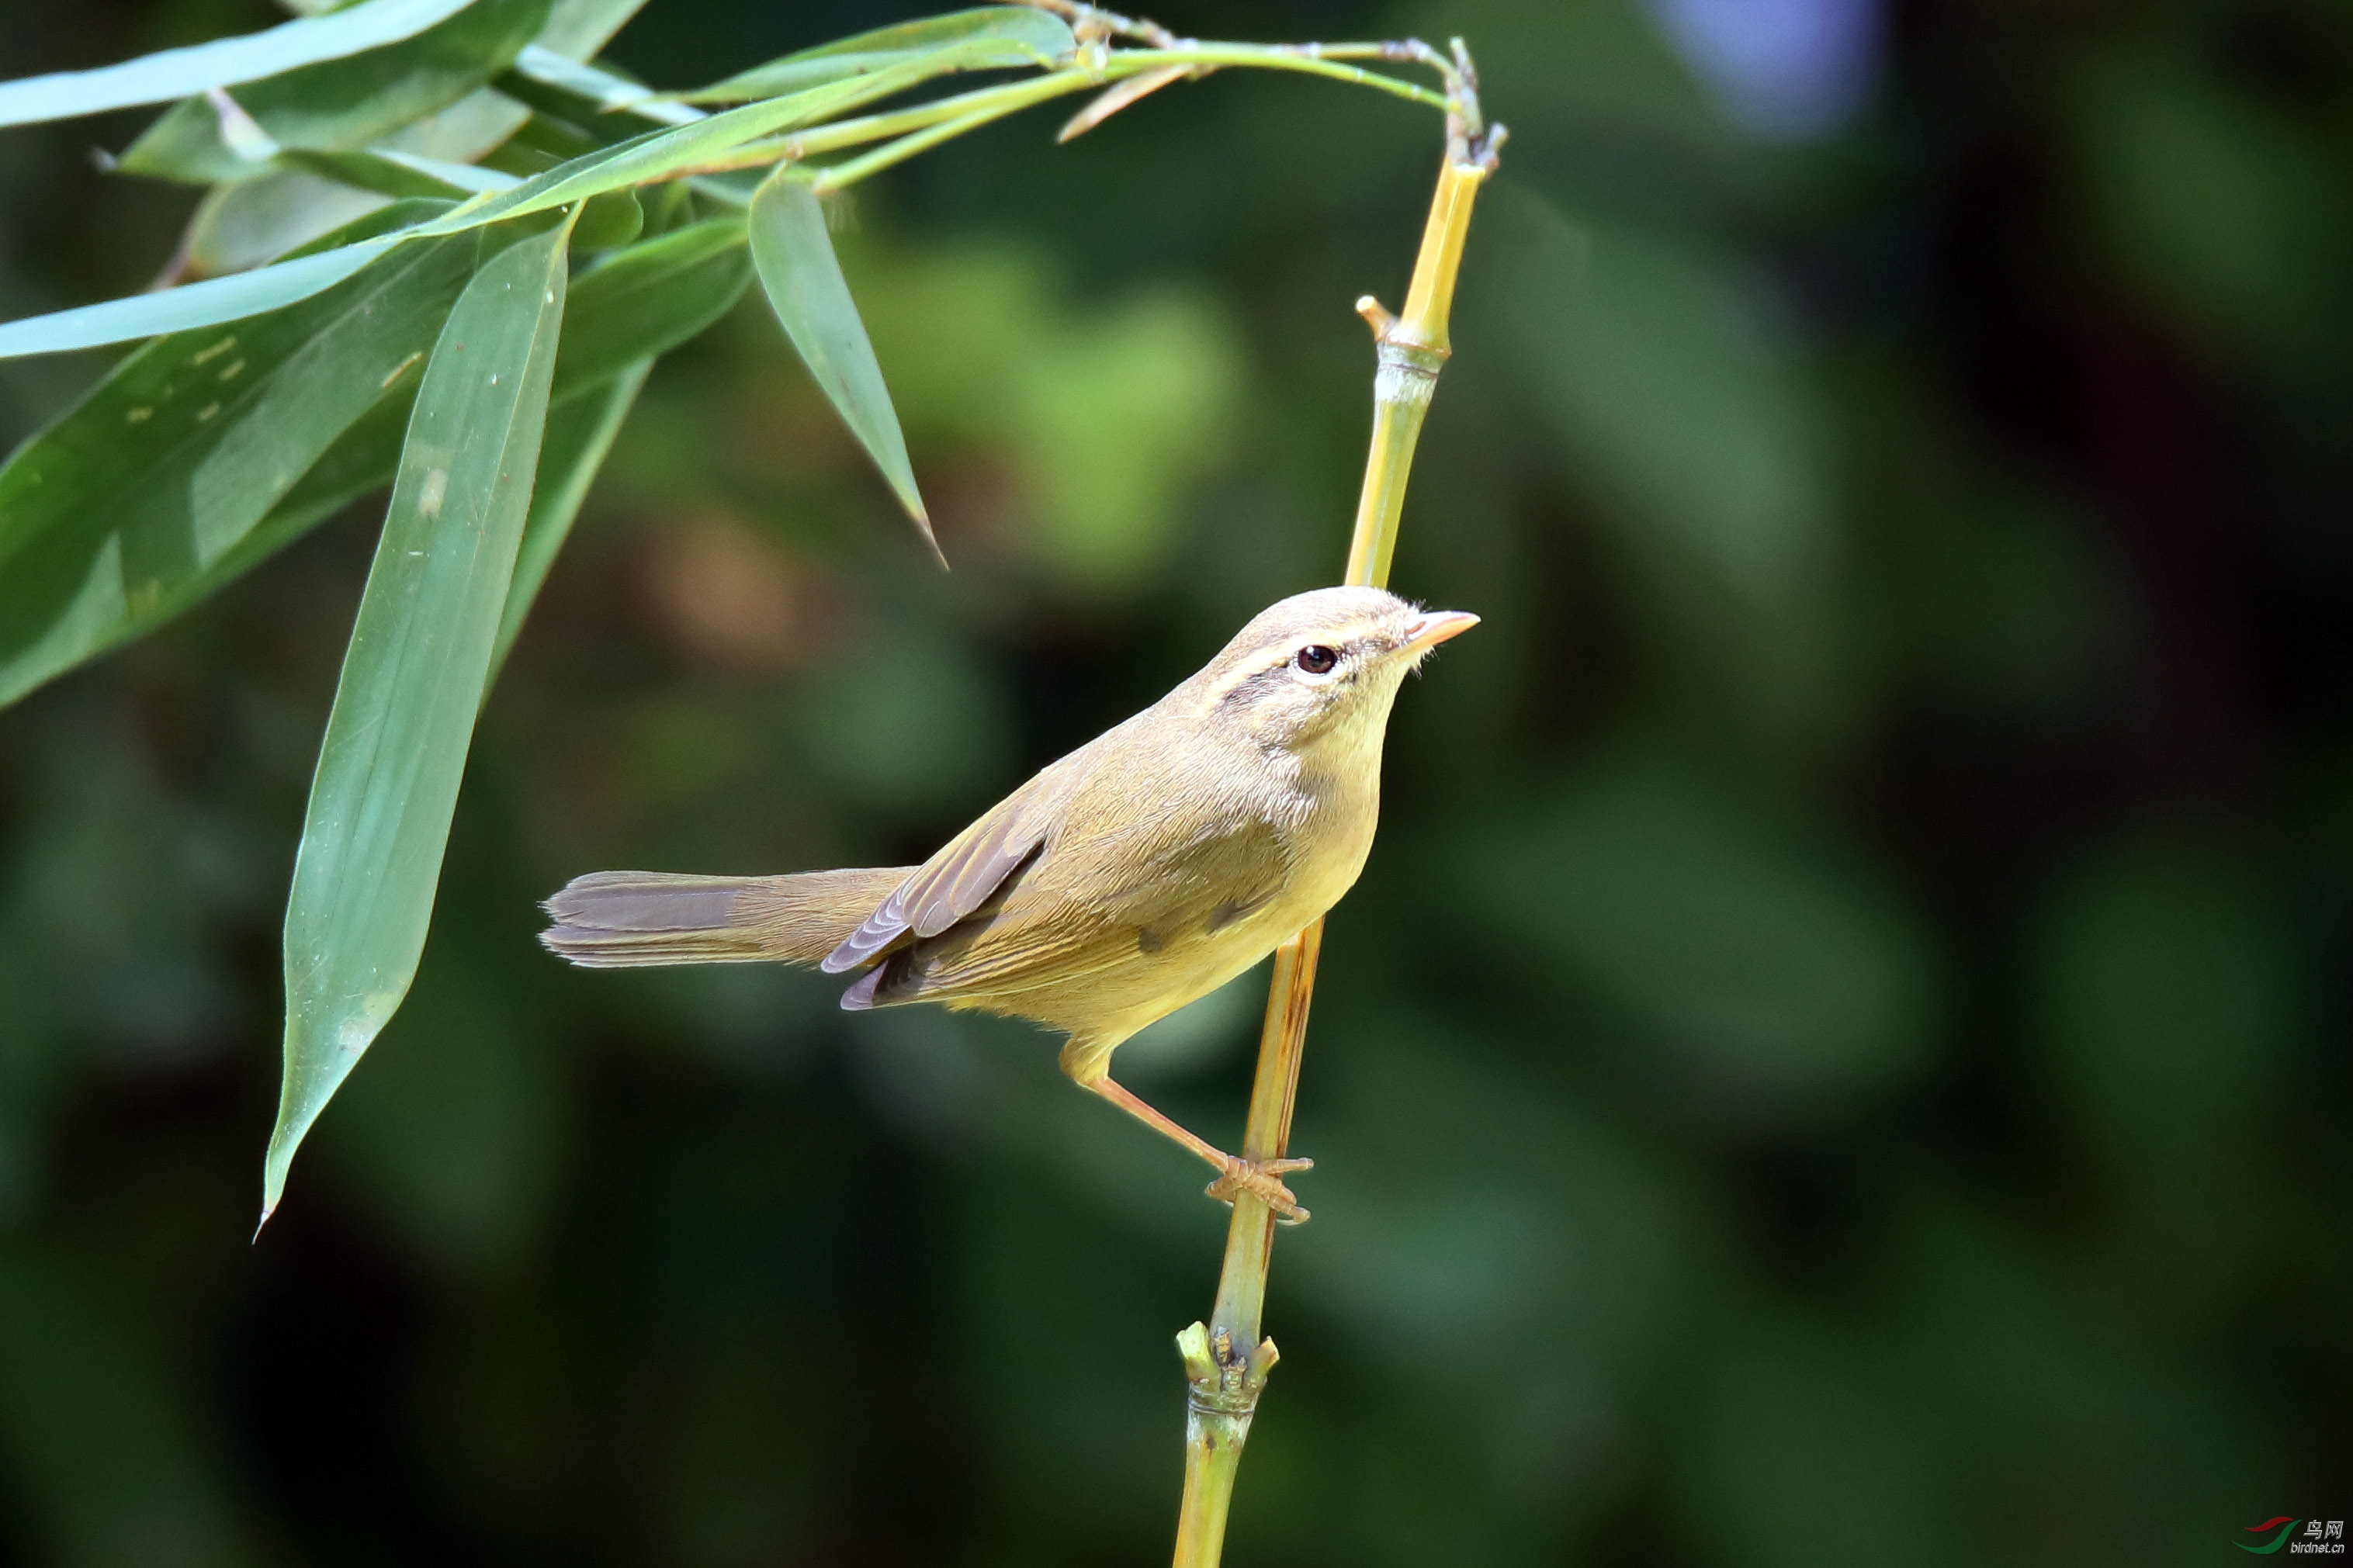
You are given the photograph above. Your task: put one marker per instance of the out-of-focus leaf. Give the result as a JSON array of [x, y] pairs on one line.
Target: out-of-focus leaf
[[647, 299], [580, 434], [2218, 207], [456, 1136], [345, 103], [587, 95], [134, 504], [412, 682], [118, 1465], [802, 278], [225, 62], [1023, 36], [2170, 999], [577, 28], [1675, 388], [401, 174], [1769, 976], [242, 225], [1679, 393], [190, 306], [1107, 414]]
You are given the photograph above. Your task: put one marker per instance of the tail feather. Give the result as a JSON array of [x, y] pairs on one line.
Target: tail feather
[[622, 920]]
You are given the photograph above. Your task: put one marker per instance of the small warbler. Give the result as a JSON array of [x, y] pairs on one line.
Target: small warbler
[[1142, 870]]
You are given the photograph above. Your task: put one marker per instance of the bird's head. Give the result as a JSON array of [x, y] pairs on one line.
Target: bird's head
[[1318, 671]]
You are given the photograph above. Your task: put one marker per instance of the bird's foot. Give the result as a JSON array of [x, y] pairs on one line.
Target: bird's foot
[[1262, 1179]]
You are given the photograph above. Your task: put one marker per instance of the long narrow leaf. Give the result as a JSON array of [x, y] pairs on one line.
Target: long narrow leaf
[[657, 155], [412, 678], [133, 504], [580, 434], [342, 104], [225, 62], [190, 306], [639, 302], [802, 278], [1022, 36]]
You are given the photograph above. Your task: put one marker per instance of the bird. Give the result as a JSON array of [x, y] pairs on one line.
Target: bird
[[1139, 872]]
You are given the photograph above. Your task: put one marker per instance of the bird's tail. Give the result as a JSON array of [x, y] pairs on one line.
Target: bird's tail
[[626, 919]]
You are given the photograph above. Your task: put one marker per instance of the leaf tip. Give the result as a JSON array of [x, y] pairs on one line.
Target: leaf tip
[[913, 503]]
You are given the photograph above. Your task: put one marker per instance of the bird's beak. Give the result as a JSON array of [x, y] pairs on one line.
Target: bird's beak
[[1428, 631]]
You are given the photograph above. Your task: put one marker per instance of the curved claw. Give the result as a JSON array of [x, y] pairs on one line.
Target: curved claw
[[1262, 1179]]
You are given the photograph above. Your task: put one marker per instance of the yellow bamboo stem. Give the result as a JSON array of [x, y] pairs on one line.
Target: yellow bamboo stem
[[1226, 1360]]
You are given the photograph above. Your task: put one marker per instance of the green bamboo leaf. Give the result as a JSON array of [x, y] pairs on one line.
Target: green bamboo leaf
[[225, 62], [580, 434], [254, 222], [341, 104], [663, 152], [647, 299], [1007, 36], [413, 678], [656, 155], [362, 461], [608, 222], [257, 220], [803, 279], [637, 303], [135, 503], [192, 305]]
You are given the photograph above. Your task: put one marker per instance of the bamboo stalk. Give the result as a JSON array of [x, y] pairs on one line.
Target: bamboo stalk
[[1226, 1360]]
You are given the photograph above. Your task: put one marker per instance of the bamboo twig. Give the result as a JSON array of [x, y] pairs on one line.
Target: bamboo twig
[[1227, 1361]]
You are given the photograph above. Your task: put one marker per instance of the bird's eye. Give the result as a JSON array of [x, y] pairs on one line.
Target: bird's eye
[[1317, 659]]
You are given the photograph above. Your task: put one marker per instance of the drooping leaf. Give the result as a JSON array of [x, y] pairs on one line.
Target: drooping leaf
[[647, 299], [580, 434], [135, 503], [803, 282], [341, 104], [190, 306], [412, 678], [1008, 35], [225, 62]]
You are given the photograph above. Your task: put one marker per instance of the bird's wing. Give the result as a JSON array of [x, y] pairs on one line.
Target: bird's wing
[[964, 874], [1058, 922]]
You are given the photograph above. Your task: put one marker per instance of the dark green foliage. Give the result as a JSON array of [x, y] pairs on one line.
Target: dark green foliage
[[1837, 1057]]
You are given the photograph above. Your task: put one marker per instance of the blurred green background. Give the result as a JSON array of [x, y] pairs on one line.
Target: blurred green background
[[1838, 1057]]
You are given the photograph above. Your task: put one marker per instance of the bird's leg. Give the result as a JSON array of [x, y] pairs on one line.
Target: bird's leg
[[1261, 1179]]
